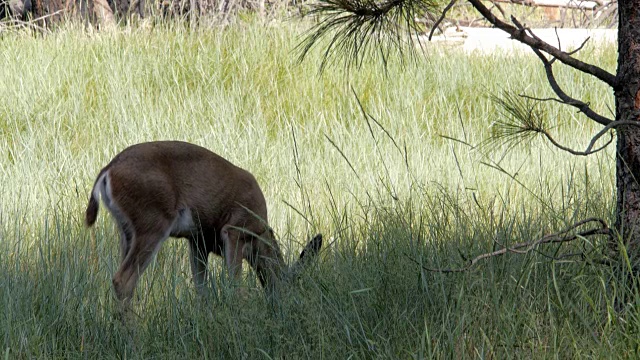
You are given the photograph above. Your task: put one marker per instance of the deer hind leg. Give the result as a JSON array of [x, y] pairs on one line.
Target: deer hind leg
[[124, 224], [198, 258], [126, 237], [144, 245], [126, 233]]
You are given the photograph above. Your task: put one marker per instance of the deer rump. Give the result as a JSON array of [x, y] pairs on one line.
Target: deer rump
[[164, 189]]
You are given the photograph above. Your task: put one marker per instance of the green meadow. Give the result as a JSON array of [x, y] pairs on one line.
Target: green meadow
[[404, 188]]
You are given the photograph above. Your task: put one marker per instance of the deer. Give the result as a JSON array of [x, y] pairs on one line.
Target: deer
[[162, 189]]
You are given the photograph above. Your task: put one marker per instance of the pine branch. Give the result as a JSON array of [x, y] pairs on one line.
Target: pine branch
[[358, 29]]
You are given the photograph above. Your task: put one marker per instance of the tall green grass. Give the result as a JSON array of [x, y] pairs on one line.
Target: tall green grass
[[390, 195]]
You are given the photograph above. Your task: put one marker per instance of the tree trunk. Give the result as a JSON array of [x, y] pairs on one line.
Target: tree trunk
[[45, 9], [627, 96], [103, 14]]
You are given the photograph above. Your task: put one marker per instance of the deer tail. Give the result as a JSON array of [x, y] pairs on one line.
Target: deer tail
[[91, 214]]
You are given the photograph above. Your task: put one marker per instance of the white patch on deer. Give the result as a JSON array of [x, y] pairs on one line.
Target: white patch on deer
[[103, 190], [183, 224]]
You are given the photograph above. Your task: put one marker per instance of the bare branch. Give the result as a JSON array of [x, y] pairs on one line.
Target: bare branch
[[575, 51], [557, 37], [444, 13], [580, 105], [31, 23], [497, 6], [612, 125], [555, 238], [542, 99], [538, 44], [588, 151], [580, 47]]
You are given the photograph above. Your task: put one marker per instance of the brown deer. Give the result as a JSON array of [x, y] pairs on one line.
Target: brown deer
[[160, 189]]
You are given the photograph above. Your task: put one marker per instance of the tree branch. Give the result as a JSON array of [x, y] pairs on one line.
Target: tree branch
[[526, 120], [538, 44], [444, 13], [580, 105], [588, 151], [579, 47], [559, 237]]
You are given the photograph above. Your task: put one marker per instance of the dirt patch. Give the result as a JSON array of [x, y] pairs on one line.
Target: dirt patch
[[491, 40]]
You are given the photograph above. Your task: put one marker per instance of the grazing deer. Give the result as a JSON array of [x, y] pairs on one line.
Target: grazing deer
[[169, 188]]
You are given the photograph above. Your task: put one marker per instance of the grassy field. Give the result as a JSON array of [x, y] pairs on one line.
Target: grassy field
[[388, 196]]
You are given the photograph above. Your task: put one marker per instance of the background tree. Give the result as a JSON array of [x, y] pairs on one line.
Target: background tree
[[14, 8], [361, 27]]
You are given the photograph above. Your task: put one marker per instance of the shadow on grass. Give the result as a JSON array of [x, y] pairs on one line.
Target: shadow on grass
[[366, 297]]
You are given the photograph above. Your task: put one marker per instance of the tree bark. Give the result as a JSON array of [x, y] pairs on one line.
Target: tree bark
[[46, 9], [627, 97], [103, 14]]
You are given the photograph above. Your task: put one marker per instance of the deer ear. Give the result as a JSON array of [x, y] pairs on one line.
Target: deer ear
[[312, 248]]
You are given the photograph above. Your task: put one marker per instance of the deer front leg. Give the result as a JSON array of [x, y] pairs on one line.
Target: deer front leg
[[233, 255], [232, 251], [198, 259]]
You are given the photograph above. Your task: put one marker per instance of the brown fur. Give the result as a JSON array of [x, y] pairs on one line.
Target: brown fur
[[155, 186]]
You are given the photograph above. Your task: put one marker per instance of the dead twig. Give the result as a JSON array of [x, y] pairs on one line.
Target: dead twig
[[589, 150], [527, 246], [442, 16], [13, 24]]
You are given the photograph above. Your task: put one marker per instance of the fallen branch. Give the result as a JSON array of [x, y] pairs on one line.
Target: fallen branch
[[527, 246], [33, 24]]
